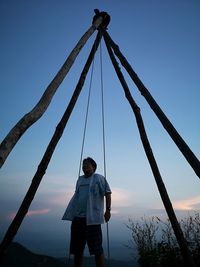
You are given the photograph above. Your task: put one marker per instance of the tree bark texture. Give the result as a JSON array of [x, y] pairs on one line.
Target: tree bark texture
[[30, 118], [183, 147], [13, 228], [154, 167]]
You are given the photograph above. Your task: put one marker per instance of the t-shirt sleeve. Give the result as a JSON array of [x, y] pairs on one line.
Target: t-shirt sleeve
[[104, 186]]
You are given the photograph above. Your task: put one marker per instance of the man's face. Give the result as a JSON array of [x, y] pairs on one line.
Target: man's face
[[87, 168]]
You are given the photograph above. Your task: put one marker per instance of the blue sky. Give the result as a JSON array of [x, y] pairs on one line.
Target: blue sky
[[161, 41]]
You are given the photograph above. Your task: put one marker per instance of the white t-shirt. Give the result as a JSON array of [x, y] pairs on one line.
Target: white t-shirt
[[98, 187], [82, 198]]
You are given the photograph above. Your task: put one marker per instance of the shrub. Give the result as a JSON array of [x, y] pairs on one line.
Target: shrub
[[156, 243]]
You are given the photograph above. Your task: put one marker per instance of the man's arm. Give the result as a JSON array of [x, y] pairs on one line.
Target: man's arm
[[107, 214]]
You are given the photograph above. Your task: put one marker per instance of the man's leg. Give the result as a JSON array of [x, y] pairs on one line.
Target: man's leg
[[100, 260], [78, 240], [94, 241]]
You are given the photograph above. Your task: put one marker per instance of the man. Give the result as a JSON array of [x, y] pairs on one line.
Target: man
[[86, 211]]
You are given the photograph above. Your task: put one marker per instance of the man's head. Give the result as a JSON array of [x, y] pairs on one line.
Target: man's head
[[89, 166]]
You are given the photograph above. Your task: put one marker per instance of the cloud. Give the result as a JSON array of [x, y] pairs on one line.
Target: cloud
[[122, 197], [59, 198], [187, 204], [31, 213], [38, 212]]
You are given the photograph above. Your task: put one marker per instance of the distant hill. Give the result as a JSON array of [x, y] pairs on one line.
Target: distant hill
[[19, 256]]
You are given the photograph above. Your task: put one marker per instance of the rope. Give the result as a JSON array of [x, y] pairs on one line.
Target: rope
[[103, 131], [84, 134], [86, 117], [102, 111], [104, 141]]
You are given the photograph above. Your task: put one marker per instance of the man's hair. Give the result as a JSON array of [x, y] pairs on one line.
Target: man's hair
[[93, 162]]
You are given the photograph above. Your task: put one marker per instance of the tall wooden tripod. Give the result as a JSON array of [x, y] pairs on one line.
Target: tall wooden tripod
[[100, 22]]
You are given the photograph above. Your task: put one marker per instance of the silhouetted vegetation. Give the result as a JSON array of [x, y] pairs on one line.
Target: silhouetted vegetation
[[156, 243]]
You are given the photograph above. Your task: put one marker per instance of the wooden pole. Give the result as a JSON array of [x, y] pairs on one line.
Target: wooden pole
[[184, 148], [30, 118], [154, 167], [14, 226]]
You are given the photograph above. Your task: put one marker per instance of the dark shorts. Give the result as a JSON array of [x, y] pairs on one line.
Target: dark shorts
[[82, 234]]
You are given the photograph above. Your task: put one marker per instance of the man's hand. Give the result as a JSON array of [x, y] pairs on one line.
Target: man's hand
[[107, 215]]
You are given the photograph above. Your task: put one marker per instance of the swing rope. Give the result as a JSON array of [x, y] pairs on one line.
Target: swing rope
[[84, 133], [103, 129], [104, 141], [86, 117], [103, 113]]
